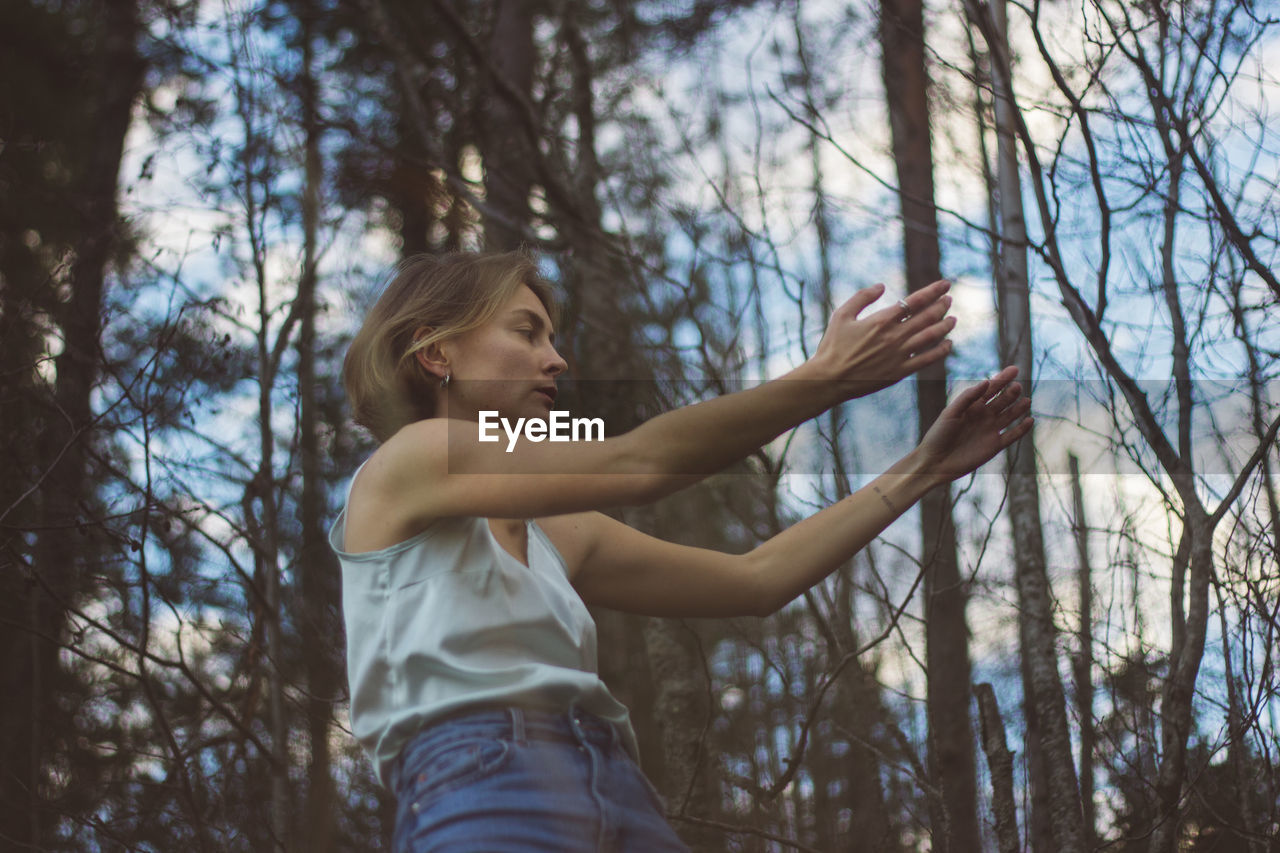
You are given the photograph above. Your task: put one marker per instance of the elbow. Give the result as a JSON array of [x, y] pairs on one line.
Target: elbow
[[765, 596], [648, 487], [658, 484], [647, 472]]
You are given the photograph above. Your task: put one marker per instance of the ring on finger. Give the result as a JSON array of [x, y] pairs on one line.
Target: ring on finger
[[906, 309], [1001, 397], [1007, 398]]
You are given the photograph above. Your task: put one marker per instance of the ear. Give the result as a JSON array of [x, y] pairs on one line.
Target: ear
[[433, 359]]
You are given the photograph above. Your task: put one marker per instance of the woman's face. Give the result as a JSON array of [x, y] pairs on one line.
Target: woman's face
[[509, 364]]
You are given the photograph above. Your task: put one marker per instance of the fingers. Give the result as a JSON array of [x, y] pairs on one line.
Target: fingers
[[1017, 410], [1006, 408], [855, 304], [988, 392], [971, 395], [931, 335], [929, 315], [923, 359], [1017, 431], [927, 328], [1003, 399], [1000, 382], [916, 303]]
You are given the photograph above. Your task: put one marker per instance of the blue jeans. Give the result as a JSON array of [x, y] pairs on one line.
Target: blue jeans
[[519, 780]]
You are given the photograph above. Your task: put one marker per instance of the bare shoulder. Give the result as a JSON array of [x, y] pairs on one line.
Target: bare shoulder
[[415, 450], [413, 457], [377, 514]]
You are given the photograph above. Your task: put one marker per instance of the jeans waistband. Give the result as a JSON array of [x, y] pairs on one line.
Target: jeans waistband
[[519, 723]]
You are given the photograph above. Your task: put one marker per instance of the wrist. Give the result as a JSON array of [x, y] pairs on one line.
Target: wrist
[[819, 383], [837, 385], [812, 369], [918, 469]]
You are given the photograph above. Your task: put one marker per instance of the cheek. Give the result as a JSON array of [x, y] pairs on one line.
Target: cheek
[[510, 362], [488, 356], [500, 361]]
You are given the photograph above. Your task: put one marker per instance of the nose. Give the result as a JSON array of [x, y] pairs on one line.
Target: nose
[[556, 365]]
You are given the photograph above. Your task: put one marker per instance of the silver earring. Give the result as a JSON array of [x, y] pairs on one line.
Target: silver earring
[[444, 383]]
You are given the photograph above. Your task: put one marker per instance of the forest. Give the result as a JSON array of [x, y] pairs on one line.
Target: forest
[[1074, 649]]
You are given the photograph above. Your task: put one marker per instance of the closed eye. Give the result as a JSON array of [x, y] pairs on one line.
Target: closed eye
[[533, 324]]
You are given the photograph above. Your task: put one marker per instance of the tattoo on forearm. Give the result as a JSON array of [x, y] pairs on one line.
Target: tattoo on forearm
[[884, 498]]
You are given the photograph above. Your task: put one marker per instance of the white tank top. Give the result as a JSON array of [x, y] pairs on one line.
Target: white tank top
[[448, 618]]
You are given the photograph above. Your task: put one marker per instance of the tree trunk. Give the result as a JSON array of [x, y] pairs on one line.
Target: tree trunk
[[1186, 654], [680, 712], [669, 708], [317, 569], [411, 190], [1238, 744], [951, 759], [34, 719], [1000, 760], [1084, 660], [263, 524], [1189, 629], [507, 147], [858, 706], [1055, 785]]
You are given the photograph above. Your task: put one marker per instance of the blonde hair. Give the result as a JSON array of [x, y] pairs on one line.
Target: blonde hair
[[450, 294]]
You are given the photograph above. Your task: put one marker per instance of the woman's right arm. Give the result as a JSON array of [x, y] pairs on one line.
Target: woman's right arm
[[439, 467]]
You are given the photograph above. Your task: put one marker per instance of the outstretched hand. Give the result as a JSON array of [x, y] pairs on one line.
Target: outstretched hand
[[975, 426], [865, 354]]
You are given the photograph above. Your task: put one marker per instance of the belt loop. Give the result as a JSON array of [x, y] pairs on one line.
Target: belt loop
[[517, 725], [397, 768]]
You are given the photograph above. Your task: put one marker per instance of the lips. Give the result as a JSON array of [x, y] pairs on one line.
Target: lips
[[549, 391]]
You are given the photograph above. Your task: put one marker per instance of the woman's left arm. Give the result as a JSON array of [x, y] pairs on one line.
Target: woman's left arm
[[627, 570], [977, 425]]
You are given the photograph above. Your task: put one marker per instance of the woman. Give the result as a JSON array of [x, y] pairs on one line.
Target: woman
[[467, 564]]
